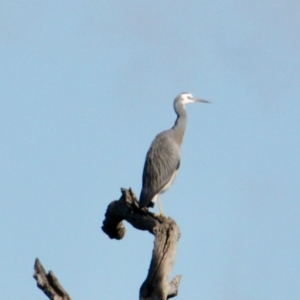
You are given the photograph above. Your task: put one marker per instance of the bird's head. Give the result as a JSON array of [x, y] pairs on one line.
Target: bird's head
[[186, 98]]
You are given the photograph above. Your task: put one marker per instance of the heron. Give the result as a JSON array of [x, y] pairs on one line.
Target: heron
[[163, 157]]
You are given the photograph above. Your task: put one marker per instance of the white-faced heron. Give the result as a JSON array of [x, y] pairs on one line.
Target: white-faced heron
[[163, 157]]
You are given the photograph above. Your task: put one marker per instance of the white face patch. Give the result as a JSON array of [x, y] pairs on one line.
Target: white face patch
[[187, 98]]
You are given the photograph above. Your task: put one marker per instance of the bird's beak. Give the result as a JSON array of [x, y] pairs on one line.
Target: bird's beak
[[201, 100]]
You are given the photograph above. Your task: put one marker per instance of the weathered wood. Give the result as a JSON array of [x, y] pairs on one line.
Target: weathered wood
[[166, 232], [48, 283]]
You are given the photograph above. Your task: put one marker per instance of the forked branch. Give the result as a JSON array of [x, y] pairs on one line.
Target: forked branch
[[166, 233], [48, 283]]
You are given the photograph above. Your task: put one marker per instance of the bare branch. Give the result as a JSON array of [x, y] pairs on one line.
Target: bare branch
[[166, 232], [48, 283]]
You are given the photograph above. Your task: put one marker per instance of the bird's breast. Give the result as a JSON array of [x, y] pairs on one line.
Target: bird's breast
[[169, 183], [178, 137]]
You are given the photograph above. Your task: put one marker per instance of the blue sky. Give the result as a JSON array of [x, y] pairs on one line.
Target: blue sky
[[86, 85]]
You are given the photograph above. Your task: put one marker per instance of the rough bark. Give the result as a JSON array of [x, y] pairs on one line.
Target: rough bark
[[166, 232], [48, 283]]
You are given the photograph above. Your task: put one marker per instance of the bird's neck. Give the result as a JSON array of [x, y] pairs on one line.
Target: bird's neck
[[180, 124]]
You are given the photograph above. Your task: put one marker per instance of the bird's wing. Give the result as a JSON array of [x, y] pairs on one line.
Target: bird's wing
[[162, 160]]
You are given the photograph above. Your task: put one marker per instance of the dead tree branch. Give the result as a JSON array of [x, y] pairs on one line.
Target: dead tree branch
[[48, 283], [166, 232]]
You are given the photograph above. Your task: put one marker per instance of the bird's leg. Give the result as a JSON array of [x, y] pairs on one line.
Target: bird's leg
[[161, 211]]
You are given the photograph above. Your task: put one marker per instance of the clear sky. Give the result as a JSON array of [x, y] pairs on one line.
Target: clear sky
[[84, 88]]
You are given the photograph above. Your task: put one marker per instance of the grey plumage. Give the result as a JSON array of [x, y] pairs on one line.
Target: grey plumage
[[163, 157]]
